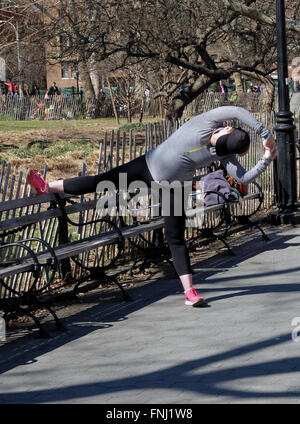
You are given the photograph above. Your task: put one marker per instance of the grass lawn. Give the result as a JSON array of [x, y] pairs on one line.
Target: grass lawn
[[63, 144], [6, 126]]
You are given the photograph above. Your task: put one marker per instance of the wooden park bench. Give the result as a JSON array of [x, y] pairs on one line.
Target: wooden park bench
[[37, 246], [29, 264]]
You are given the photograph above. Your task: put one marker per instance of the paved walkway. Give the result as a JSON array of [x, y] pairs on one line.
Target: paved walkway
[[157, 350]]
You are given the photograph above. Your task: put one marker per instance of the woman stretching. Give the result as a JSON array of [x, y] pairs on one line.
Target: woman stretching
[[196, 144]]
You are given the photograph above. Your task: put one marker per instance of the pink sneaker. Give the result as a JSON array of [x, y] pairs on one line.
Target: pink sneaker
[[192, 298], [37, 182]]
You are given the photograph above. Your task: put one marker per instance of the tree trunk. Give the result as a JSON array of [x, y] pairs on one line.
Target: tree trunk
[[94, 75], [129, 111], [85, 79], [142, 109], [268, 100], [129, 102], [188, 94], [113, 102], [239, 88]]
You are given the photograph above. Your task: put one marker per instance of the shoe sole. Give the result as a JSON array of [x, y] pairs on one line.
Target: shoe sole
[[33, 191], [200, 302]]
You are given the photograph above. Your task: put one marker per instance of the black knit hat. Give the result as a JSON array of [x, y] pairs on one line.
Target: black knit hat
[[237, 141]]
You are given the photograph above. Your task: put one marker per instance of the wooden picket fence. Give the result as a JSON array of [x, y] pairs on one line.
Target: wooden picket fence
[[80, 107], [207, 101], [56, 107]]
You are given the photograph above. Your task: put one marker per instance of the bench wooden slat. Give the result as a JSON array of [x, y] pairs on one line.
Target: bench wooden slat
[[190, 213], [41, 216], [251, 196], [93, 242], [30, 201], [90, 243], [54, 213]]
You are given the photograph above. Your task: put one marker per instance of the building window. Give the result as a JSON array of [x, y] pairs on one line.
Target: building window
[[65, 70], [74, 70]]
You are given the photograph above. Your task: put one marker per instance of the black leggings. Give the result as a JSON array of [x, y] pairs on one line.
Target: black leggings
[[137, 170]]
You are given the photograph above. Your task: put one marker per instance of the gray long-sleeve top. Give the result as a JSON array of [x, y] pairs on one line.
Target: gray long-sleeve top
[[188, 148]]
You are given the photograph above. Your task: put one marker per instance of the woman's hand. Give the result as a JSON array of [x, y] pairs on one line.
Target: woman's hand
[[270, 148], [269, 143], [270, 153]]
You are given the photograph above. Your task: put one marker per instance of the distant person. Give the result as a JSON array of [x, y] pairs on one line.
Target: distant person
[[38, 110], [10, 87], [25, 89], [15, 88], [251, 88], [101, 95], [53, 90], [222, 88], [35, 91], [260, 88], [233, 97], [15, 91]]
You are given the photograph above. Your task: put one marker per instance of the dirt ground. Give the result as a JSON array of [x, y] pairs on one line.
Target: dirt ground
[[93, 132], [66, 166]]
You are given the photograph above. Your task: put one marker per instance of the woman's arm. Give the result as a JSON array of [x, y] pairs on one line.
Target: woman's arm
[[228, 113], [235, 169]]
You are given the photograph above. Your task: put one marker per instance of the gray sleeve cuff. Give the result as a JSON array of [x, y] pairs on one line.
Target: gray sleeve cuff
[[266, 161]]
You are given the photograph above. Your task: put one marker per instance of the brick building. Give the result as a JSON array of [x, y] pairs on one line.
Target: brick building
[[64, 74]]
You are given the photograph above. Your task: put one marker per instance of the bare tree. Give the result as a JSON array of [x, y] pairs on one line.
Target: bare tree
[[263, 18], [190, 44], [202, 41], [20, 26]]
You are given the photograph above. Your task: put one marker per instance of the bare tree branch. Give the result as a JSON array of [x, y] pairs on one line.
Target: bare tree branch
[[258, 16]]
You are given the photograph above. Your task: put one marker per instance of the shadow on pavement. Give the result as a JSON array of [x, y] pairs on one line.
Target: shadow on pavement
[[183, 376], [186, 376]]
